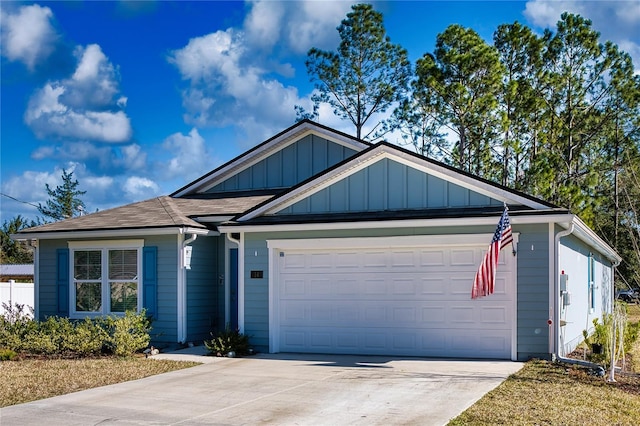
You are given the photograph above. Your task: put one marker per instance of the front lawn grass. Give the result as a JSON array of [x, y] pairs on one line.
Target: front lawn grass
[[32, 379], [545, 393]]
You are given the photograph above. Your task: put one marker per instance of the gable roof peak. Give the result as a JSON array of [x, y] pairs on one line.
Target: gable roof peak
[[268, 147]]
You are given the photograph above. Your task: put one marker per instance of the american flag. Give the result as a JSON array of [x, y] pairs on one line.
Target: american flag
[[486, 276]]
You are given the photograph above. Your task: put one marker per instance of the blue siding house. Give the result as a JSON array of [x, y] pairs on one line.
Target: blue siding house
[[315, 241]]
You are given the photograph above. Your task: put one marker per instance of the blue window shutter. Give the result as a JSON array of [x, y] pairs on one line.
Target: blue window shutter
[[62, 281], [150, 278]]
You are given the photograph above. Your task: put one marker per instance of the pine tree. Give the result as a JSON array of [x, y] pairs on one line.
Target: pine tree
[[64, 201], [464, 76], [12, 251], [365, 76]]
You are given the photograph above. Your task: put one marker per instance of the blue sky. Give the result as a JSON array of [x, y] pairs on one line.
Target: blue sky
[[140, 98]]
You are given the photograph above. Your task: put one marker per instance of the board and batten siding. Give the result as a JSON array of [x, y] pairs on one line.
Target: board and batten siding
[[203, 289], [288, 166], [389, 185], [533, 291]]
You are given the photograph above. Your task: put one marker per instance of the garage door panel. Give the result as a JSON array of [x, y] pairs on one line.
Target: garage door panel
[[348, 287], [493, 315], [320, 261], [431, 258], [403, 286], [464, 257], [344, 260], [433, 286], [403, 259], [464, 315], [374, 260], [404, 315], [294, 261], [414, 301], [460, 285], [319, 286], [291, 287], [374, 286], [434, 315]]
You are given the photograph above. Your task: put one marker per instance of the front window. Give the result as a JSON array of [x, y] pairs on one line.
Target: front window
[[106, 280], [592, 284], [87, 273], [123, 280]]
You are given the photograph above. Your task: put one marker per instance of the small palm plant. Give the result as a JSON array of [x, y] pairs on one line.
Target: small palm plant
[[228, 342]]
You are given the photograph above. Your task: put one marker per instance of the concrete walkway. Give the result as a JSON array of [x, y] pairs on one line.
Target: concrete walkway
[[282, 389]]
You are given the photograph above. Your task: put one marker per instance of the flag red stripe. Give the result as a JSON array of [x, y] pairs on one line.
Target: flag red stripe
[[485, 279]]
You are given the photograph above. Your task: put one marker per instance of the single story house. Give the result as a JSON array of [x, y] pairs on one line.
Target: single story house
[[314, 241]]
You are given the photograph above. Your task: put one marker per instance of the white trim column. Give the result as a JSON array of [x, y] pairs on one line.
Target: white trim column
[[181, 296], [241, 283]]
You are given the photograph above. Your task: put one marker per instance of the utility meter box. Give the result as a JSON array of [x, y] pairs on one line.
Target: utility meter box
[[564, 282]]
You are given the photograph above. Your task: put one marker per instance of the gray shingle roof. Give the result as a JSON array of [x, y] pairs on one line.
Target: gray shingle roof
[[156, 212]]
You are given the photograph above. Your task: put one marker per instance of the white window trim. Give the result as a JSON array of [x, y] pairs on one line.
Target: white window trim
[[104, 247]]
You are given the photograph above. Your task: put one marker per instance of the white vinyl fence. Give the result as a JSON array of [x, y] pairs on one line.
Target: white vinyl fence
[[13, 292]]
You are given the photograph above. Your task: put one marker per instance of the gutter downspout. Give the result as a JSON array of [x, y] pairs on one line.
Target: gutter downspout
[[182, 291], [555, 356]]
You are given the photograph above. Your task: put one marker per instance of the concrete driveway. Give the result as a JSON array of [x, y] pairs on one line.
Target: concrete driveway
[[281, 389]]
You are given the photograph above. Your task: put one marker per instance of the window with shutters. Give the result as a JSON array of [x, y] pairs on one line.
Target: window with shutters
[[105, 277]]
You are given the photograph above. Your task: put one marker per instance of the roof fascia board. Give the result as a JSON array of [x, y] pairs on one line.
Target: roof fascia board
[[409, 223], [385, 152], [106, 233], [587, 235], [260, 152]]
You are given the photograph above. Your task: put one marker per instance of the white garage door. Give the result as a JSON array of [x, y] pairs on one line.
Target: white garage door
[[388, 300]]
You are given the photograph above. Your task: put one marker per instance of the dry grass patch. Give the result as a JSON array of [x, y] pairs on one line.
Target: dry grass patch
[[32, 379], [547, 393]]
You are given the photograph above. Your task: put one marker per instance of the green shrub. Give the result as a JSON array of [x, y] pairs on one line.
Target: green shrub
[[7, 355], [127, 334], [227, 341], [83, 338], [120, 335]]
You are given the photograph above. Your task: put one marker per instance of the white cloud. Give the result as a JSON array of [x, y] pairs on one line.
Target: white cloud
[[30, 186], [314, 23], [230, 73], [617, 21], [94, 82], [136, 187], [132, 157], [297, 25], [27, 35], [79, 151], [82, 106], [263, 23], [191, 157]]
